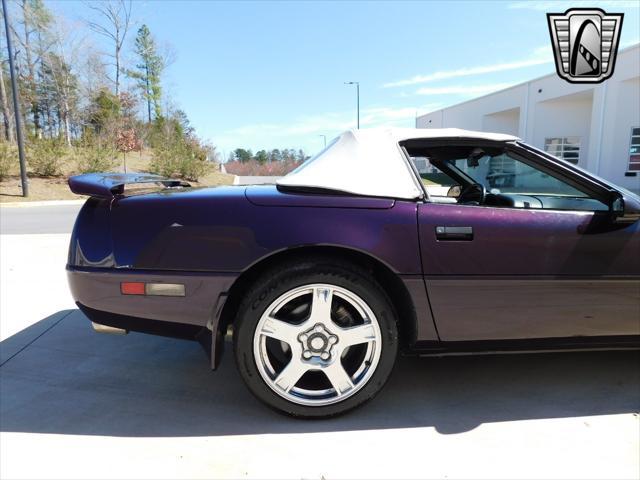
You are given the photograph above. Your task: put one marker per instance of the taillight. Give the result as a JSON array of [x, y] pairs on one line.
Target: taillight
[[132, 288], [152, 289]]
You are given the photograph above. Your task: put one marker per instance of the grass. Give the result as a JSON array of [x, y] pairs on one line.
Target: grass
[[56, 188]]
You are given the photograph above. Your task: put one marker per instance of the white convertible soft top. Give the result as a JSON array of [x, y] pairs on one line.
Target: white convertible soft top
[[370, 162]]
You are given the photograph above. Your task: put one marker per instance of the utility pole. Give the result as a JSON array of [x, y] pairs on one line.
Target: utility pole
[[357, 84], [16, 104]]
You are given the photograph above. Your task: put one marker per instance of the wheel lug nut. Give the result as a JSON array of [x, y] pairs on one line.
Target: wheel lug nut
[[333, 339], [325, 355], [306, 354]]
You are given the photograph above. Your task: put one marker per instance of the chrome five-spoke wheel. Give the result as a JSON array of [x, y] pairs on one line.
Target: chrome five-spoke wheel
[[317, 344], [315, 337]]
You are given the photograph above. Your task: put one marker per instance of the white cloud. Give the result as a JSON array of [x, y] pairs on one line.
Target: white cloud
[[539, 56], [464, 89], [303, 131]]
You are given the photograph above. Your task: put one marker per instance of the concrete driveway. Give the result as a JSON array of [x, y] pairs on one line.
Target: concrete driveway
[[75, 404]]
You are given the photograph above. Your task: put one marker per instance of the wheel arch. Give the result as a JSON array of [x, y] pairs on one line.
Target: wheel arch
[[381, 272]]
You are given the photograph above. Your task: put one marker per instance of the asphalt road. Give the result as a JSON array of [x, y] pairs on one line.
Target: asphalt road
[[37, 219]]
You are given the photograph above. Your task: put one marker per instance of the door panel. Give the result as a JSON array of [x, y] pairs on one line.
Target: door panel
[[529, 273]]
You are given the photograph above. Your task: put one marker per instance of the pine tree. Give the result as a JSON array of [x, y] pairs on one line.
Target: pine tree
[[148, 71]]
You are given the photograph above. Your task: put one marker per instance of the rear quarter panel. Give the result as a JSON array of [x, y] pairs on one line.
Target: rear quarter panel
[[225, 232]]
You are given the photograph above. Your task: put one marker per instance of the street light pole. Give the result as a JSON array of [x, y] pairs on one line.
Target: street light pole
[[16, 104], [357, 84], [324, 137]]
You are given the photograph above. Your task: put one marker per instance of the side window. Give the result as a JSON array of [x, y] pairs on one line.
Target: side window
[[436, 182], [513, 183]]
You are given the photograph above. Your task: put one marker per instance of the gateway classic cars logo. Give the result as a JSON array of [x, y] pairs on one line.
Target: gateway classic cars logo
[[585, 43]]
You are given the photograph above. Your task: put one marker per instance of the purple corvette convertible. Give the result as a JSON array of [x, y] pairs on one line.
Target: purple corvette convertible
[[355, 256]]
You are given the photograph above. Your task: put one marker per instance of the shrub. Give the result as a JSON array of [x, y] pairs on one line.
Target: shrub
[[95, 159], [165, 160], [45, 157], [180, 158], [8, 157], [193, 163]]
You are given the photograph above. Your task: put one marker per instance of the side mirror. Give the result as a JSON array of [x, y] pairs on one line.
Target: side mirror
[[617, 207], [625, 209], [454, 191]]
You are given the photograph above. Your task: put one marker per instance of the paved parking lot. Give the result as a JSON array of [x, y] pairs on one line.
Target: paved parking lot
[[75, 404]]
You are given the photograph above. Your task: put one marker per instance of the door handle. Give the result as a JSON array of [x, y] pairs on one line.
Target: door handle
[[454, 233]]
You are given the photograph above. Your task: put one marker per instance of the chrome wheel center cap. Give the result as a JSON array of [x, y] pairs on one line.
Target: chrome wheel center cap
[[317, 342]]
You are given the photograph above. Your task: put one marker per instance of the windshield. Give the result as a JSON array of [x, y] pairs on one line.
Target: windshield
[[582, 170], [503, 173]]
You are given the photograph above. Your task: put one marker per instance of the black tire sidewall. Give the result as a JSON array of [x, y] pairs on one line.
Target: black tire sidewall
[[274, 284]]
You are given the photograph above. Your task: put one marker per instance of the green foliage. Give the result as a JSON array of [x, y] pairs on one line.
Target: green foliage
[[105, 111], [177, 157], [261, 156], [164, 129], [243, 155], [166, 158], [288, 155], [187, 129], [195, 163], [95, 159], [148, 71], [45, 157], [8, 157], [177, 152]]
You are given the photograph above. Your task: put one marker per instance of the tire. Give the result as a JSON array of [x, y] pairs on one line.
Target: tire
[[284, 323]]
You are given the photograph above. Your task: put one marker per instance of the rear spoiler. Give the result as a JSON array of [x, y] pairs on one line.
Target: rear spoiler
[[107, 185]]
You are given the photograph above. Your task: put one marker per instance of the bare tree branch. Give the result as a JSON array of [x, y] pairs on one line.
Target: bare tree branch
[[116, 16]]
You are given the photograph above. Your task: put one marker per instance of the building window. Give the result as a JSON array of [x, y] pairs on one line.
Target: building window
[[634, 150], [566, 148]]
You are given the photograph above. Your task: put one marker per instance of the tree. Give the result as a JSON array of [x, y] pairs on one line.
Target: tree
[[35, 21], [275, 155], [181, 117], [105, 112], [262, 156], [64, 92], [62, 62], [126, 142], [148, 71], [243, 155], [116, 17], [6, 113]]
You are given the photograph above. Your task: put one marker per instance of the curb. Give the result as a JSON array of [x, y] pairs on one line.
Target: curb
[[44, 203]]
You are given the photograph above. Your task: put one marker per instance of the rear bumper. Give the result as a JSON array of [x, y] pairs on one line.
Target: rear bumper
[[98, 290]]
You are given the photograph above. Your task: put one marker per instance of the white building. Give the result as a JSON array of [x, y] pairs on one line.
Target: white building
[[595, 126]]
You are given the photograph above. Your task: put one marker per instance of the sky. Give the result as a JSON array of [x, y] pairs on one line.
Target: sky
[[265, 75]]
